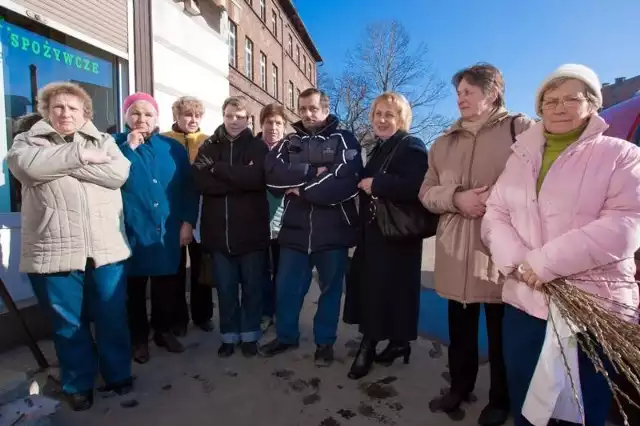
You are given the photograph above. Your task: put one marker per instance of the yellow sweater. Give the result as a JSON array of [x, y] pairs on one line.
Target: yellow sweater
[[191, 141]]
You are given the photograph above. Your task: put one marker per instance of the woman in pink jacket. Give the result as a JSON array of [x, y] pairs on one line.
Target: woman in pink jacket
[[566, 206]]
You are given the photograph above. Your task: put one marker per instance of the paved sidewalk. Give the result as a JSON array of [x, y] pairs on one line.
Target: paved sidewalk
[[197, 388]]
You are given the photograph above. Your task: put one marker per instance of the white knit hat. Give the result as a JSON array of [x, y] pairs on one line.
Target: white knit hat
[[577, 71]]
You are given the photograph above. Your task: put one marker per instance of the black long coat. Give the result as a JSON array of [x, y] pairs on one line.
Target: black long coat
[[383, 284]]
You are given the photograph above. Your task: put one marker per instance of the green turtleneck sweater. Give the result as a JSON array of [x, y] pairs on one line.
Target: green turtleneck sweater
[[554, 146]]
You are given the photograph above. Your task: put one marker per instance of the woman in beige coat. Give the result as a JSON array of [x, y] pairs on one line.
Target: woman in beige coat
[[464, 163], [73, 239]]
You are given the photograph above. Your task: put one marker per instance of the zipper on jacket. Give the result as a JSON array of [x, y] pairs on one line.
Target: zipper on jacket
[[466, 269], [310, 227], [345, 214], [226, 206], [85, 216]]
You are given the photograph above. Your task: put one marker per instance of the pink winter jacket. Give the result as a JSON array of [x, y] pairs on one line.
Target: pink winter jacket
[[583, 225]]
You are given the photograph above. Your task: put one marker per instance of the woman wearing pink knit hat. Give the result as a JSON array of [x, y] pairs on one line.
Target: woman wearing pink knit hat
[[160, 211]]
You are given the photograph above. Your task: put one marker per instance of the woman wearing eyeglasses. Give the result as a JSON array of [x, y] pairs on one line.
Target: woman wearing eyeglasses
[[566, 206]]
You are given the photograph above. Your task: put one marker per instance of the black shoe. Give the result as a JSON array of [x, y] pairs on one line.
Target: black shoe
[[249, 349], [392, 351], [276, 347], [226, 350], [492, 416], [364, 359], [447, 403], [121, 388], [168, 341], [323, 356], [206, 326], [179, 330], [81, 401], [141, 353]]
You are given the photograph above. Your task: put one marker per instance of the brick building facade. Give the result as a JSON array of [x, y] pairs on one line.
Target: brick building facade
[[271, 55], [620, 90]]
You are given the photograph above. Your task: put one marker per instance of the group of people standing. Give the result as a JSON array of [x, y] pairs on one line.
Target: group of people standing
[[517, 203]]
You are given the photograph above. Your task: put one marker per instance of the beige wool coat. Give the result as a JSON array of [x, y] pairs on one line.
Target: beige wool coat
[[460, 160]]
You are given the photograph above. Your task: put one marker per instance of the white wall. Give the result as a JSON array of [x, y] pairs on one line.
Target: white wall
[[189, 58]]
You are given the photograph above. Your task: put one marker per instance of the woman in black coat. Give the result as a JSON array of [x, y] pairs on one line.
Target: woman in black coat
[[383, 284]]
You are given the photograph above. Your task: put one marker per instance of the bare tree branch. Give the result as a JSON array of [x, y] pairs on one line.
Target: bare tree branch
[[386, 60]]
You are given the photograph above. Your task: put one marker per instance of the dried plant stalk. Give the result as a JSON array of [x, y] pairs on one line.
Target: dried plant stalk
[[608, 339]]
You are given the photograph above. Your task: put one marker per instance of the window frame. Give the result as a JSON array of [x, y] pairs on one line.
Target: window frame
[[248, 58], [233, 33], [275, 76], [263, 71]]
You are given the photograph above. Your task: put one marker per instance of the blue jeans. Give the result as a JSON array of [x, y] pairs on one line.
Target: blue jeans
[[293, 281], [240, 320], [74, 299]]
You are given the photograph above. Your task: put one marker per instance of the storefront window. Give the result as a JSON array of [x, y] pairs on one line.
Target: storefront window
[[34, 55]]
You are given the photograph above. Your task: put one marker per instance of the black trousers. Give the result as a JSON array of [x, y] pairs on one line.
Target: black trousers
[[201, 299], [463, 350], [163, 289]]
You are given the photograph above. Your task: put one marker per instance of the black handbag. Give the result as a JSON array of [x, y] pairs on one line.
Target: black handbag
[[402, 220]]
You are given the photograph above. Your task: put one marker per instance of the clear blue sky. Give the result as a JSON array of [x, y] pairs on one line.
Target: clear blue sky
[[525, 39]]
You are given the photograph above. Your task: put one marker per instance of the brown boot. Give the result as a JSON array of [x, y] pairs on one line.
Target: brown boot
[[141, 353], [168, 341]]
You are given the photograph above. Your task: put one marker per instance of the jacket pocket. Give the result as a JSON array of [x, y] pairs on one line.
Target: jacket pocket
[[349, 213]]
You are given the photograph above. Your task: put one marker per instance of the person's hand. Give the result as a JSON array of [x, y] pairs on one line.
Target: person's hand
[[186, 234], [203, 162], [251, 163], [321, 170], [484, 196], [527, 276], [365, 185], [471, 202], [293, 191], [135, 139], [94, 156]]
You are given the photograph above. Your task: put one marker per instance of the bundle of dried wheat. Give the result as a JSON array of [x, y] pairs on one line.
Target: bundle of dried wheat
[[608, 337]]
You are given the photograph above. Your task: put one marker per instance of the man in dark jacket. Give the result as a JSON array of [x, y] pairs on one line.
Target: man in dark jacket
[[318, 167], [229, 171]]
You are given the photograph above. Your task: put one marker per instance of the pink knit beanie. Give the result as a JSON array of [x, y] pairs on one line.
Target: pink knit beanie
[[139, 96]]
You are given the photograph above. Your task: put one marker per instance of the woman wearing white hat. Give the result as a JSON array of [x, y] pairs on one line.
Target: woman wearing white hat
[[566, 206]]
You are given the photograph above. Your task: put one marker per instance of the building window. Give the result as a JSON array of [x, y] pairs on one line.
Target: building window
[[251, 123], [309, 71], [39, 55], [304, 67], [263, 71], [263, 11], [298, 55], [274, 81], [297, 99], [248, 58], [274, 22], [233, 44], [290, 95], [290, 47]]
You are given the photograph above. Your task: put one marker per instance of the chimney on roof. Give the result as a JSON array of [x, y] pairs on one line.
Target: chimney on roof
[[620, 80]]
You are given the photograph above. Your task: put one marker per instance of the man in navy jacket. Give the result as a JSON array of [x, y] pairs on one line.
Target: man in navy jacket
[[318, 168]]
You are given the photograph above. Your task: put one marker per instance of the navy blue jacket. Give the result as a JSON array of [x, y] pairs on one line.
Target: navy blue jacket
[[157, 198], [324, 215]]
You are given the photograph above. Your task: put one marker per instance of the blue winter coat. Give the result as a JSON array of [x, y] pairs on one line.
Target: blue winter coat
[[324, 216], [157, 198]]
